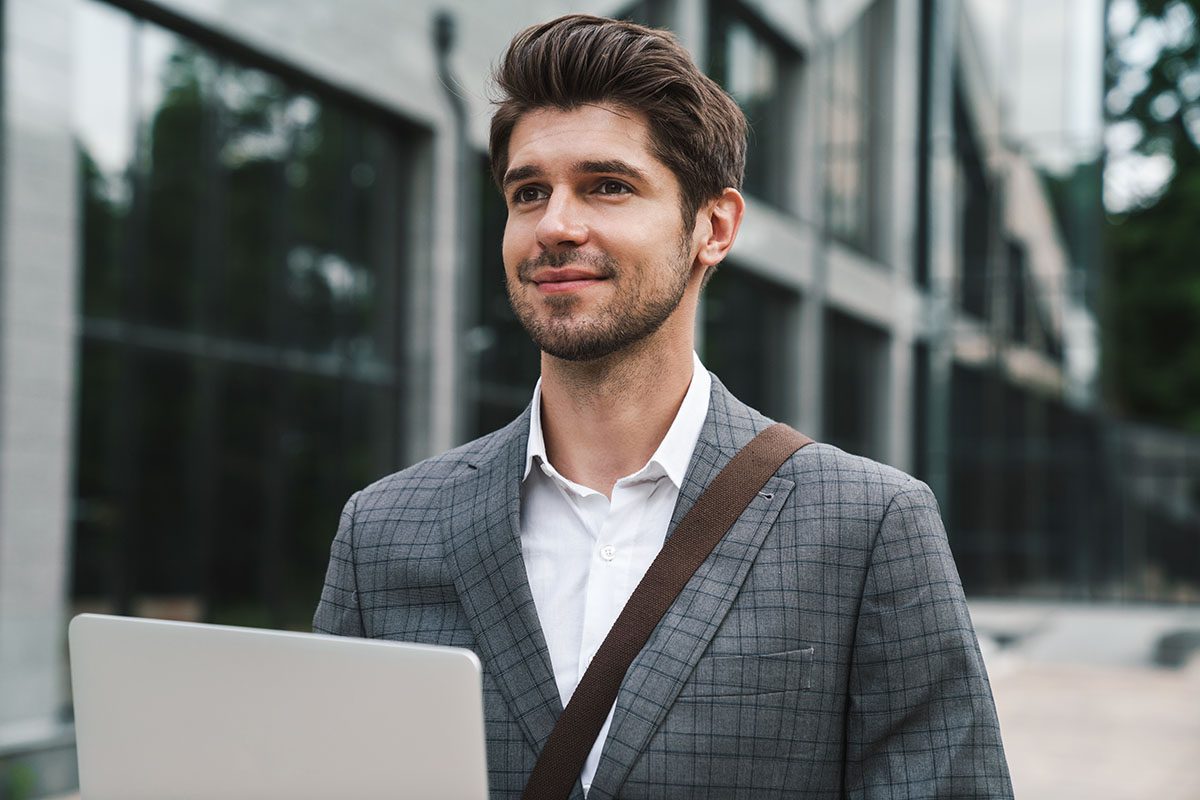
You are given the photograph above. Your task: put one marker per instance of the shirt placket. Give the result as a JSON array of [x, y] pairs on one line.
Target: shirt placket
[[609, 565], [597, 510]]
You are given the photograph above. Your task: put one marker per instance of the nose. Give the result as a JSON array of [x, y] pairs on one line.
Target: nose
[[563, 222]]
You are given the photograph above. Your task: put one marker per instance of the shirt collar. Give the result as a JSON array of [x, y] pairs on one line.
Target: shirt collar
[[674, 452]]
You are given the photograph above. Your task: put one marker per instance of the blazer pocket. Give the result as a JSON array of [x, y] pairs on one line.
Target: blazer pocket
[[733, 676]]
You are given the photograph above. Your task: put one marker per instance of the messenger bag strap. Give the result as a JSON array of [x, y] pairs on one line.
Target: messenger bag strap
[[701, 528]]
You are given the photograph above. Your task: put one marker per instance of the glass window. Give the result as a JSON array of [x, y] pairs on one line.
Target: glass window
[[1012, 473], [1017, 291], [651, 13], [855, 140], [747, 339], [508, 363], [970, 514], [755, 67], [240, 372], [921, 378], [856, 377], [976, 210]]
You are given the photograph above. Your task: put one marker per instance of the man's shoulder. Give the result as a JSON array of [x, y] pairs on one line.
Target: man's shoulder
[[849, 498], [821, 472], [436, 472], [838, 476]]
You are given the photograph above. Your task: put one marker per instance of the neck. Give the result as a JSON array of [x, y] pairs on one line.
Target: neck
[[603, 419]]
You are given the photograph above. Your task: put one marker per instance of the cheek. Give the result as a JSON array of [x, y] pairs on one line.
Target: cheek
[[511, 250], [659, 232]]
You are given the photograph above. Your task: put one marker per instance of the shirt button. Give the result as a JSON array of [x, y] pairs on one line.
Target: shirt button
[[607, 552]]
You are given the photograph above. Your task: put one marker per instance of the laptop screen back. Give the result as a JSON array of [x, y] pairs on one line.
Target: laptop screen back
[[183, 710]]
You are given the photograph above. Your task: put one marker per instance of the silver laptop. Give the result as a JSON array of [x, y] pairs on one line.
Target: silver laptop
[[182, 710]]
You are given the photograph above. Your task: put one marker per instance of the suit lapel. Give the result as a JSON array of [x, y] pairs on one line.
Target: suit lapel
[[484, 555], [665, 663]]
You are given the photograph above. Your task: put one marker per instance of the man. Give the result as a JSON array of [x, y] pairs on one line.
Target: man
[[823, 649]]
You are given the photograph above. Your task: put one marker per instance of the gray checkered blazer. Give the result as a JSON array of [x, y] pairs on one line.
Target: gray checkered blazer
[[823, 650]]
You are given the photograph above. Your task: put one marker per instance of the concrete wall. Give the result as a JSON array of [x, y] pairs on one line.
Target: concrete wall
[[38, 319]]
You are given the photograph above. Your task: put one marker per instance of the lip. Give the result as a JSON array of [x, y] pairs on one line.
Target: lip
[[565, 279]]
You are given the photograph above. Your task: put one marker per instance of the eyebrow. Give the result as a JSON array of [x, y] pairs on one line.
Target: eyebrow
[[521, 174], [611, 167]]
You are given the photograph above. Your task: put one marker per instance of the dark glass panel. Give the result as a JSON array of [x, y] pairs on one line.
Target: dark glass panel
[[847, 151], [967, 519], [98, 516], [255, 207], [746, 338], [177, 136], [920, 416], [976, 216], [855, 377], [856, 129], [1018, 292], [754, 66], [105, 222], [508, 362], [239, 370]]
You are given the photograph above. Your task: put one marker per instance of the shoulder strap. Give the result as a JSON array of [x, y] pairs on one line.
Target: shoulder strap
[[701, 528]]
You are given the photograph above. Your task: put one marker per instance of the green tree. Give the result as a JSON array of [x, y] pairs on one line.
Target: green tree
[[1152, 308]]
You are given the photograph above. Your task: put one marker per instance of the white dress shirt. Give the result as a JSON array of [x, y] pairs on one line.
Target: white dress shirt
[[585, 554]]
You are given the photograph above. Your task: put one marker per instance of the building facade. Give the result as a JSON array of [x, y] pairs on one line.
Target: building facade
[[249, 261]]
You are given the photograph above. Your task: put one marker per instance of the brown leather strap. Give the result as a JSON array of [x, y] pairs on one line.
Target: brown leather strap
[[701, 528]]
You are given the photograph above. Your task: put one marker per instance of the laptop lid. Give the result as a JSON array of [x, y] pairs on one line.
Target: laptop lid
[[184, 710]]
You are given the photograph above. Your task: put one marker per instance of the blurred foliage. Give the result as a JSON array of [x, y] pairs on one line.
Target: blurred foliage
[[1152, 314], [17, 782]]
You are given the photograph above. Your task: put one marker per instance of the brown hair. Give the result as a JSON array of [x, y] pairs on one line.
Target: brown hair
[[696, 129]]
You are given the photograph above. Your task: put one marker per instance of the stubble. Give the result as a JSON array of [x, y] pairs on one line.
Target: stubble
[[635, 311]]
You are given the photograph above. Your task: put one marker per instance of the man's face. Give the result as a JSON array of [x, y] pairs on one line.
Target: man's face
[[595, 255]]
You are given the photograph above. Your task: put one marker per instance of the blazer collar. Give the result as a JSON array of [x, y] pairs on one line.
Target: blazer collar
[[484, 556], [729, 426]]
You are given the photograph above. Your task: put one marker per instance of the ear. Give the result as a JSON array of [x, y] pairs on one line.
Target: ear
[[717, 226]]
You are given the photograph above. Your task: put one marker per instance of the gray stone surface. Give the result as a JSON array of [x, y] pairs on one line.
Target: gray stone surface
[[1084, 710], [37, 367], [1101, 732]]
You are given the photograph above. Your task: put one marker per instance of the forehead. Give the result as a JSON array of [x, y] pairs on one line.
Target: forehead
[[545, 136]]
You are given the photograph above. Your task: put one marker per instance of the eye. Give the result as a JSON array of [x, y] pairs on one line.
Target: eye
[[528, 194], [613, 187]]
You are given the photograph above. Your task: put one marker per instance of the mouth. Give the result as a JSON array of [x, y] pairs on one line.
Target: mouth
[[559, 280]]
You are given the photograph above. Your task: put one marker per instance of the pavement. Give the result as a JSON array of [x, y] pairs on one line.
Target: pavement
[[1096, 702]]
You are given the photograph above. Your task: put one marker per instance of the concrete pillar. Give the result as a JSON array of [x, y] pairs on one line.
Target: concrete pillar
[[811, 352], [38, 336], [901, 221], [943, 227]]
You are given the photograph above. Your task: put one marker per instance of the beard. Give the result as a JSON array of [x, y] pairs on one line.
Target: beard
[[634, 312]]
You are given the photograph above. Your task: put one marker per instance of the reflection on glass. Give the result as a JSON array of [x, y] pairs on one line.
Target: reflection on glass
[[240, 370], [855, 377], [977, 225], [1028, 512], [506, 361], [754, 68], [103, 116], [1017, 265], [747, 338], [852, 141]]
